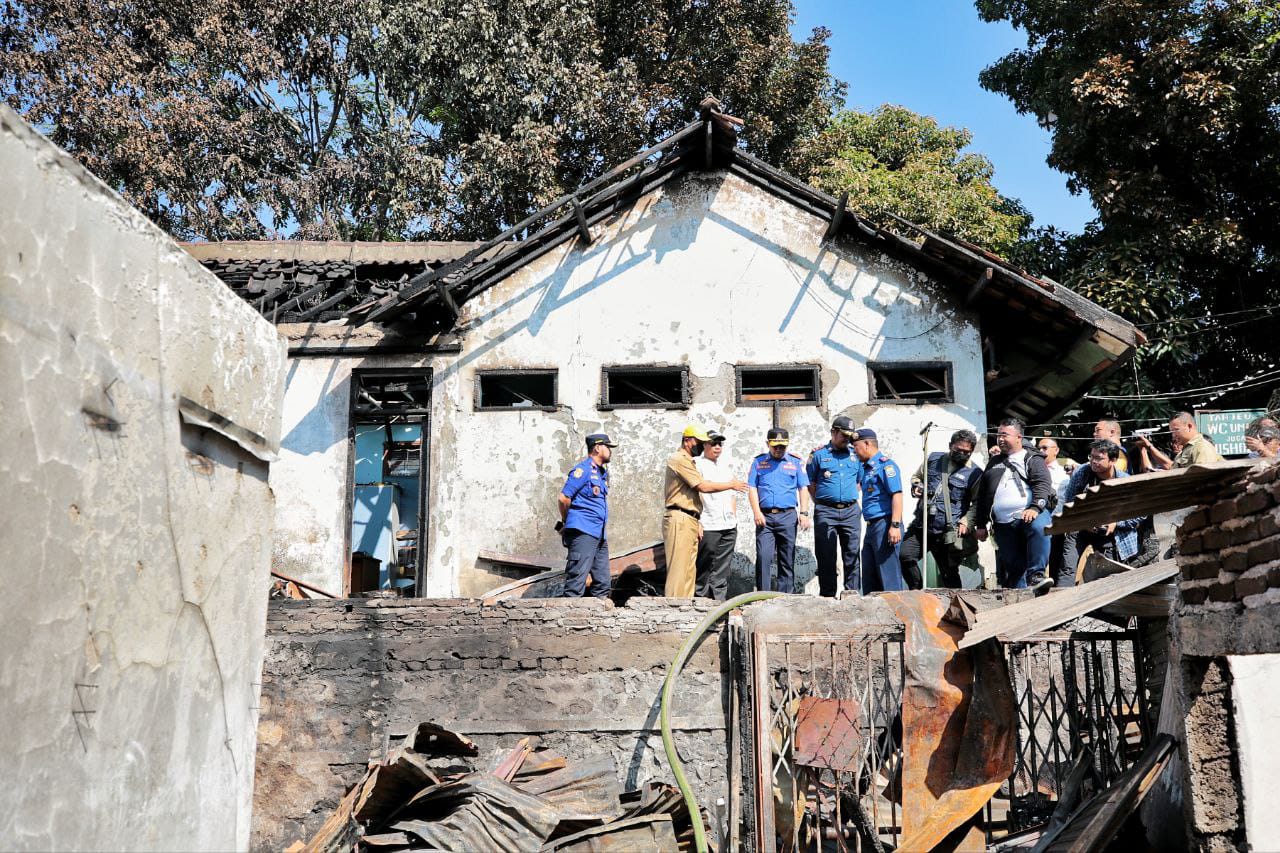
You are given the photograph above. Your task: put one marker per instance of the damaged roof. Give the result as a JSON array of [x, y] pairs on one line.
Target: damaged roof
[[298, 281], [1046, 345], [1148, 494]]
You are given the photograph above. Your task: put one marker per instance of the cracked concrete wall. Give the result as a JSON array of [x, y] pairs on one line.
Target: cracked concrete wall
[[136, 545], [708, 272]]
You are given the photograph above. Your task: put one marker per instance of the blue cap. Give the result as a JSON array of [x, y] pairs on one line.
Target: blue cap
[[865, 433], [598, 438]]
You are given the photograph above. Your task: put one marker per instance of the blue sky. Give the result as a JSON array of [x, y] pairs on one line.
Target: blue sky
[[926, 55]]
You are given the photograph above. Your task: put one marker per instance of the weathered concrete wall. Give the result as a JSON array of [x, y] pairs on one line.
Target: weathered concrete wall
[[1253, 693], [136, 545], [341, 677], [710, 272]]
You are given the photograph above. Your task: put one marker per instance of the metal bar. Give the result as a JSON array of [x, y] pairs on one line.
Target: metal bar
[[765, 841]]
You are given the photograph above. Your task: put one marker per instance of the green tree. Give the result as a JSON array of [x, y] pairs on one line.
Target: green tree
[[390, 119], [1167, 113], [894, 162]]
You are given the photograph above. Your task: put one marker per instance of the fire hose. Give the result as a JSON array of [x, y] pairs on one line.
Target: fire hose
[[668, 742]]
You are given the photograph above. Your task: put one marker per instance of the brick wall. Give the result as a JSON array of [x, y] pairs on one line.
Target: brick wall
[[1230, 562], [342, 676], [1229, 556]]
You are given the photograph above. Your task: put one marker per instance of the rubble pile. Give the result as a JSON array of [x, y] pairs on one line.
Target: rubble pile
[[432, 792]]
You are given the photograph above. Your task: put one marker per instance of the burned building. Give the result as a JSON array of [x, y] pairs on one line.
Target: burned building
[[438, 393]]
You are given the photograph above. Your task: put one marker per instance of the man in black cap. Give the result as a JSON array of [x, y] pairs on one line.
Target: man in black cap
[[881, 482], [833, 485], [777, 483], [584, 515]]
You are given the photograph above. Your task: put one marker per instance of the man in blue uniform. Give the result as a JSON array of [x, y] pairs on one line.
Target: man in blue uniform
[[584, 513], [833, 485], [881, 484], [776, 484]]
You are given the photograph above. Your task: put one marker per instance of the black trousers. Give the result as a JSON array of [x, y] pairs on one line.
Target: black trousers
[[947, 560], [715, 557], [837, 530]]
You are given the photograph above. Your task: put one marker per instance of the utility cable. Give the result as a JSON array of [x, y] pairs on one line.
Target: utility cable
[[1190, 392], [1210, 316]]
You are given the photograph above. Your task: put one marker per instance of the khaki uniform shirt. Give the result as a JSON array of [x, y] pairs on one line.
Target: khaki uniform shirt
[[681, 483], [1197, 452]]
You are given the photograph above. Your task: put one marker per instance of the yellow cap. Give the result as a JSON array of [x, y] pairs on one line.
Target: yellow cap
[[697, 431]]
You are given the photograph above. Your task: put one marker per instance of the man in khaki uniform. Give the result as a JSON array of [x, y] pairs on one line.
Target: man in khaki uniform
[[684, 486], [1195, 449]]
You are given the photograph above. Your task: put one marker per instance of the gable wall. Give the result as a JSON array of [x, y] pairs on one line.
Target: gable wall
[[708, 271]]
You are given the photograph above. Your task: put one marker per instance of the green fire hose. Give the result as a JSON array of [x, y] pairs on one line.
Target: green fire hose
[[668, 743]]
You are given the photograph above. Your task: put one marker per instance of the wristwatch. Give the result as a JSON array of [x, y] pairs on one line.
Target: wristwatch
[[804, 513], [895, 524]]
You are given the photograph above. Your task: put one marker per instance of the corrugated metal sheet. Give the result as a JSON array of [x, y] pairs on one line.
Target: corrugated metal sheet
[[1148, 494], [1019, 621]]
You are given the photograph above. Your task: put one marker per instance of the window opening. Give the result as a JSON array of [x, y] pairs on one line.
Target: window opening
[[766, 385], [516, 389], [390, 412], [914, 382], [645, 388]]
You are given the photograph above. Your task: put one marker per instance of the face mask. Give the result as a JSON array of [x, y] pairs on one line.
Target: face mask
[[959, 457], [697, 448]]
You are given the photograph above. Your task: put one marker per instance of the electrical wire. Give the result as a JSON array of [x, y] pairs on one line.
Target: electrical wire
[[1210, 316], [1207, 329], [1190, 392]]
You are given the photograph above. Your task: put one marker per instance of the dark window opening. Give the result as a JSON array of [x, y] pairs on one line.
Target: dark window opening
[[382, 395], [911, 382], [516, 389], [645, 388], [786, 385]]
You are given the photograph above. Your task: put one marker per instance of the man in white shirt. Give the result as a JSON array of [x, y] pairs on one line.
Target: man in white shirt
[[719, 523], [1016, 496], [1060, 475]]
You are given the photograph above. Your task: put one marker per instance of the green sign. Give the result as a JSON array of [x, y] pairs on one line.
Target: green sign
[[1226, 428]]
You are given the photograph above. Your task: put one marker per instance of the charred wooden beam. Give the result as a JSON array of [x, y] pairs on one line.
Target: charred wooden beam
[[328, 303], [446, 298], [581, 219], [984, 278], [834, 227]]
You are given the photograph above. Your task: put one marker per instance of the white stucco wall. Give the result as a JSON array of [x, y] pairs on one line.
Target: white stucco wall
[[709, 272], [136, 548], [1257, 727]]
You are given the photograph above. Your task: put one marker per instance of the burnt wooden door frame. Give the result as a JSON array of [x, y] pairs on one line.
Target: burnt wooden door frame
[[424, 465]]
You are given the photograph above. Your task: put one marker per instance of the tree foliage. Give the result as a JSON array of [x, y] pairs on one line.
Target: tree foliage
[[390, 119], [895, 162], [1167, 113]]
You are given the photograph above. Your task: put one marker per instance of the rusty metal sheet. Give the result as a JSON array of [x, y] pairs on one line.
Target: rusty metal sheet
[[587, 790], [828, 733], [478, 812], [959, 724], [647, 834], [430, 739]]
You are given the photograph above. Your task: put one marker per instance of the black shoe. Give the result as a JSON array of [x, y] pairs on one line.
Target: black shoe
[[1039, 584]]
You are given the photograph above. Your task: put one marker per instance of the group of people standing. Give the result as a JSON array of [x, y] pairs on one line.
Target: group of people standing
[[851, 494]]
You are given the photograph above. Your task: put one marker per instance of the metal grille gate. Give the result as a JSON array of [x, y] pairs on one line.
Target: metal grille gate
[[1077, 694]]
